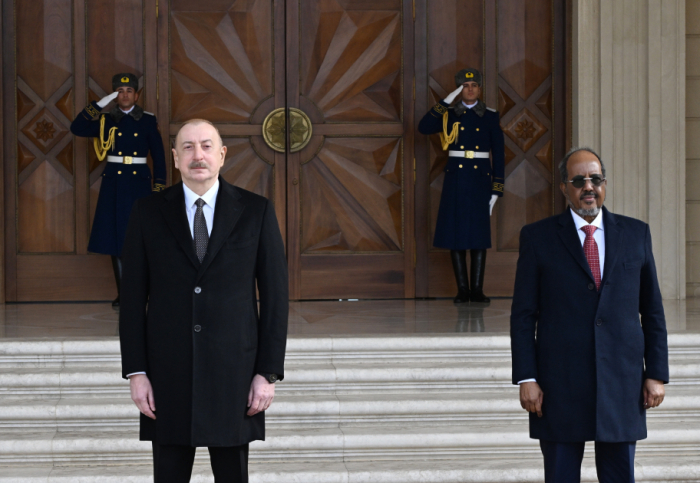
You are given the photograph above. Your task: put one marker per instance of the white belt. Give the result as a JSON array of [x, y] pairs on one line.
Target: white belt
[[468, 154], [126, 160]]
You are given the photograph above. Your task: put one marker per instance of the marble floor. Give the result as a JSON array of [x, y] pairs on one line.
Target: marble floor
[[313, 318]]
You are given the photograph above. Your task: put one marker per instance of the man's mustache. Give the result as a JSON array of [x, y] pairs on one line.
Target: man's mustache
[[198, 164], [589, 193]]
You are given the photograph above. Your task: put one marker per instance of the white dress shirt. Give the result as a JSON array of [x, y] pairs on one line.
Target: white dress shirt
[[208, 209], [190, 207], [598, 236], [470, 105]]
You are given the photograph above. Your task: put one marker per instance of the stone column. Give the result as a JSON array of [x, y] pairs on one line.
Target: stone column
[[628, 103]]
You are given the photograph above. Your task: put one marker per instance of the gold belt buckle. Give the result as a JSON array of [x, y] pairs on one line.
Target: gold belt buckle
[[469, 154], [128, 160]]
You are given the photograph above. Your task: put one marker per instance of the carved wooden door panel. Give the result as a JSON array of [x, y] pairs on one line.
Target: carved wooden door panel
[[350, 190], [61, 54], [342, 201], [519, 48]]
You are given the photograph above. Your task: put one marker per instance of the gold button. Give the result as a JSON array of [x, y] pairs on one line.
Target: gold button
[[119, 172], [461, 147], [475, 166], [460, 165], [120, 153], [135, 153], [136, 134], [477, 128], [475, 148], [119, 134], [461, 128], [134, 172]]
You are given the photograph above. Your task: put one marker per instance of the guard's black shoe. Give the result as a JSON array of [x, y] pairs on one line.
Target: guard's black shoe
[[479, 298], [462, 297], [115, 303]]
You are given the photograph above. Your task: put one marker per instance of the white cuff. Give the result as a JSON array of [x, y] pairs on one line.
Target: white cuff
[[134, 373], [519, 382]]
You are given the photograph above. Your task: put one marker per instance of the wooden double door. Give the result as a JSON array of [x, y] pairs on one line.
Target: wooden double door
[[317, 102]]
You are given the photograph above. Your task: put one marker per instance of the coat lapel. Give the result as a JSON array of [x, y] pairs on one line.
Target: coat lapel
[[227, 212], [568, 235], [176, 218], [613, 242]]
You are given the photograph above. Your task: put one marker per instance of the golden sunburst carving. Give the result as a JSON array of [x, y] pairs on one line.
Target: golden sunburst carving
[[274, 129]]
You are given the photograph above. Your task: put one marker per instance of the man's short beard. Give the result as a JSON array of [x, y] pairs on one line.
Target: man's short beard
[[583, 212]]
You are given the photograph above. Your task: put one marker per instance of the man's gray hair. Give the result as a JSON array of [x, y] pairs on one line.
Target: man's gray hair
[[562, 165]]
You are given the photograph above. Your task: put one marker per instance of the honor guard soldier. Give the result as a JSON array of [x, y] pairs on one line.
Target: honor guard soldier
[[124, 136], [469, 131]]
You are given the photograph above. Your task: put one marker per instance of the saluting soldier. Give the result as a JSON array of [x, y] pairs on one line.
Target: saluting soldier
[[124, 136], [469, 131]]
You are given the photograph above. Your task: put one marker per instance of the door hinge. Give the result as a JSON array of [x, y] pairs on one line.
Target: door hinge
[[414, 171], [156, 8]]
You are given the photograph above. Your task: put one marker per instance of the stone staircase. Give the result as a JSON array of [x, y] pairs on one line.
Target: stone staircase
[[409, 409]]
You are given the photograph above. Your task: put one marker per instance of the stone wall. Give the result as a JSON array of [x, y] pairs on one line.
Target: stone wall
[[628, 102], [692, 120]]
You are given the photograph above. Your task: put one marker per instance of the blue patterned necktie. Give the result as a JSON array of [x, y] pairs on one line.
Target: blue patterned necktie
[[201, 235]]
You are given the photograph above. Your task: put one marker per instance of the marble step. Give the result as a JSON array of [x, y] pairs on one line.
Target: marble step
[[435, 407], [64, 353], [306, 379], [648, 469], [502, 439]]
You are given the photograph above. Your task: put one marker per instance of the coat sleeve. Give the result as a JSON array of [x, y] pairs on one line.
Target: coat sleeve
[[85, 124], [525, 311], [133, 298], [652, 318], [271, 275], [155, 146], [432, 121], [498, 156]]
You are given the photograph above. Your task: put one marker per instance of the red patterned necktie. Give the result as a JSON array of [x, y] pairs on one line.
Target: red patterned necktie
[[590, 248]]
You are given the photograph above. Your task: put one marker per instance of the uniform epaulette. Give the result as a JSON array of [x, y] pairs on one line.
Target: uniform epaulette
[[149, 113], [492, 110]]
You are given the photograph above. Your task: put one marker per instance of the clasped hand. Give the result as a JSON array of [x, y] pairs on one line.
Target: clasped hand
[[260, 395]]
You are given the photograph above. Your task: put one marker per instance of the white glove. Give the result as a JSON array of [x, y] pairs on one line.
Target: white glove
[[106, 100], [453, 94], [494, 198]]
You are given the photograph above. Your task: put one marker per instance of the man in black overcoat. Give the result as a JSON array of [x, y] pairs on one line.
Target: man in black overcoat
[[588, 366], [471, 134], [124, 136], [194, 343]]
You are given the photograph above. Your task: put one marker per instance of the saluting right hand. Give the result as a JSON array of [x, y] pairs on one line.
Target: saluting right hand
[[107, 99], [451, 97]]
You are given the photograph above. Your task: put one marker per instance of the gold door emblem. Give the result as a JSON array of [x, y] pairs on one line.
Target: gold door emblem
[[274, 130]]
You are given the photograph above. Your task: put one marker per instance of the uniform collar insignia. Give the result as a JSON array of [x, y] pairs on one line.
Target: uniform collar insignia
[[479, 109], [117, 114]]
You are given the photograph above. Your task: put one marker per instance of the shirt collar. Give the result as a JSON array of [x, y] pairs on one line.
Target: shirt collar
[[469, 106], [209, 197], [127, 112], [580, 222]]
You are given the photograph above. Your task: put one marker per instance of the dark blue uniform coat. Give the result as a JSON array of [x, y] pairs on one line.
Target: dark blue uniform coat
[[195, 328], [137, 134], [587, 348], [463, 220]]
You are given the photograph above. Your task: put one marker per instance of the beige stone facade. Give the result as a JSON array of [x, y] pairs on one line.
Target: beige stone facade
[[692, 113], [629, 100]]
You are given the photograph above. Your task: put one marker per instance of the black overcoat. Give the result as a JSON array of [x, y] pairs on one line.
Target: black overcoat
[[195, 328], [587, 348], [463, 220]]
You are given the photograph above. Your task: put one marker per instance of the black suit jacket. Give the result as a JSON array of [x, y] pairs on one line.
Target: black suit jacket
[[195, 328], [588, 349]]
